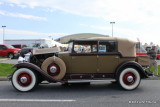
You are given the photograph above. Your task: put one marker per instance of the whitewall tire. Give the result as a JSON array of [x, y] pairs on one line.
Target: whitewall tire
[[129, 78], [24, 80]]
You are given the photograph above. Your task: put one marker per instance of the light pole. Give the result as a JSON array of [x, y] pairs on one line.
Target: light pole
[[3, 32], [112, 27]]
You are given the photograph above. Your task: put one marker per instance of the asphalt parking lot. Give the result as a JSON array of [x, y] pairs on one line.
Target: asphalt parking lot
[[94, 95], [11, 61]]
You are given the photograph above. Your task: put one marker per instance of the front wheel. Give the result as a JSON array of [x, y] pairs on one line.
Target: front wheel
[[11, 55], [129, 78], [24, 80]]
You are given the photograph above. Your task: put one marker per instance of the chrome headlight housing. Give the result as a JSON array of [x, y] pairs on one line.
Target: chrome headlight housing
[[27, 57], [21, 59], [16, 51]]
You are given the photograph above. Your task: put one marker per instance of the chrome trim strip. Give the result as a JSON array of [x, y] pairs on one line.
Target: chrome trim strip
[[89, 80]]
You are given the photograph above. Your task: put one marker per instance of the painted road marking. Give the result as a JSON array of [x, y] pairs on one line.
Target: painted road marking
[[34, 100]]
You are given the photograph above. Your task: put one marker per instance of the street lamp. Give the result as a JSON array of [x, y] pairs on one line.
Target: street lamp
[[112, 27], [3, 32]]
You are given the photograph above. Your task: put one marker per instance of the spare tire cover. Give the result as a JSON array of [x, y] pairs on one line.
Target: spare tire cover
[[57, 61]]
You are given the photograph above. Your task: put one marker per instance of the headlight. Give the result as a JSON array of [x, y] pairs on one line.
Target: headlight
[[27, 57], [15, 51], [19, 51], [21, 59]]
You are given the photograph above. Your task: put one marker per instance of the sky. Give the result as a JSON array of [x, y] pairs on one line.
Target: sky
[[35, 19]]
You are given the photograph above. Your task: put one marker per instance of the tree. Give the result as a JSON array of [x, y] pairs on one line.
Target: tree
[[151, 43], [145, 44], [157, 46]]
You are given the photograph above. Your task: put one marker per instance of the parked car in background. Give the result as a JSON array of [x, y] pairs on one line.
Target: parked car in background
[[84, 62], [40, 45], [158, 56], [140, 50], [9, 51], [20, 46], [30, 48], [25, 51]]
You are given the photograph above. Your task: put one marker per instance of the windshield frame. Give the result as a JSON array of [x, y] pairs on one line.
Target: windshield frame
[[70, 46]]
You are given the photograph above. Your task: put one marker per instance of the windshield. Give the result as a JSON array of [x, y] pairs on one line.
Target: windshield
[[9, 46], [70, 46]]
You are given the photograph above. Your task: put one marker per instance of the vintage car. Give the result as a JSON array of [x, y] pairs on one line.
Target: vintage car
[[86, 60]]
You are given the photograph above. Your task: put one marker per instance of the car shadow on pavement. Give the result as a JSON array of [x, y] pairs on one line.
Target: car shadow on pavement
[[81, 90], [76, 91]]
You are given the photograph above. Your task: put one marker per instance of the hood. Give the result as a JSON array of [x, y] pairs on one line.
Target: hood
[[14, 49]]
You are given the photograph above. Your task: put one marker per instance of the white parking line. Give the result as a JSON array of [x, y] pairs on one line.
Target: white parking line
[[34, 100]]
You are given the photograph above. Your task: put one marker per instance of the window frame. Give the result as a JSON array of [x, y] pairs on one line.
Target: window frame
[[3, 46], [91, 53], [116, 46]]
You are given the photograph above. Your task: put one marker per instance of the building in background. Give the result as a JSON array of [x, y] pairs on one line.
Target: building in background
[[31, 42]]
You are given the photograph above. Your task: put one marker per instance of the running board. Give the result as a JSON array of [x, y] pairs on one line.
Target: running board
[[89, 80]]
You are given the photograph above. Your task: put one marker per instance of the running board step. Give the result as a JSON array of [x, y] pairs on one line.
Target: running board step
[[88, 80]]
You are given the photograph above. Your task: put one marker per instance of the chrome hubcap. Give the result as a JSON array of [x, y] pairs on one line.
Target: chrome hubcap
[[53, 69], [23, 79], [129, 78]]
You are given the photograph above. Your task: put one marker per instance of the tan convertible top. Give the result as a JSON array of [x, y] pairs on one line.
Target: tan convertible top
[[125, 46]]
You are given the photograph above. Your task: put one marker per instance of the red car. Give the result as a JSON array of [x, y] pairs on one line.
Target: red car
[[20, 46], [158, 56], [141, 51], [9, 51]]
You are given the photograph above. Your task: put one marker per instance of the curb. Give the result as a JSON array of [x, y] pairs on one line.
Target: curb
[[3, 59], [4, 79]]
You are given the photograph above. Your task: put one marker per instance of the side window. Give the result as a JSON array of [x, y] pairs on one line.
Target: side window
[[2, 47], [85, 47], [107, 46]]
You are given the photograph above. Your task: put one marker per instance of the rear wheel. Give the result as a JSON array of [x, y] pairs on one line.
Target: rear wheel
[[24, 80], [129, 78]]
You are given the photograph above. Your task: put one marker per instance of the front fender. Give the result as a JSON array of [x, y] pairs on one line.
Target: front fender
[[131, 64], [36, 69]]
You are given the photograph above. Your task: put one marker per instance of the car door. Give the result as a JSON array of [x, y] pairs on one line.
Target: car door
[[84, 57], [3, 50], [108, 57]]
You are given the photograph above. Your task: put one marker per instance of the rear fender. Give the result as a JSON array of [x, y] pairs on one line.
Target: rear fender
[[131, 64], [36, 69]]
